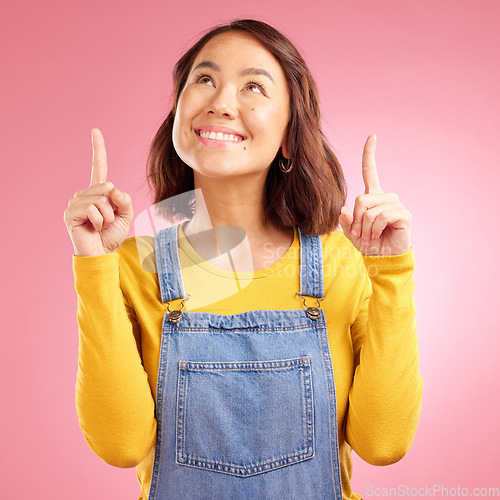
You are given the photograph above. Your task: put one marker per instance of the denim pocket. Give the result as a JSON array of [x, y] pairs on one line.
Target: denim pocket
[[244, 418]]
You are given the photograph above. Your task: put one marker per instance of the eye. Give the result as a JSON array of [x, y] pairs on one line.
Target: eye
[[255, 86], [204, 78]]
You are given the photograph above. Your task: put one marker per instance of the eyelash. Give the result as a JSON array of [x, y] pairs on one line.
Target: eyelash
[[260, 85]]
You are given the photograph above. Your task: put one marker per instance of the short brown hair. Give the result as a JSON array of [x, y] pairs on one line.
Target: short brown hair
[[311, 195]]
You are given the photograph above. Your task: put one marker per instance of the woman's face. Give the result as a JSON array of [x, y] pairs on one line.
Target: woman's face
[[233, 112]]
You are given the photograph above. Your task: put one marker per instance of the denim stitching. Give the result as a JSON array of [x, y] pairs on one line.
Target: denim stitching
[[303, 364], [171, 275], [278, 364], [311, 264], [159, 407], [245, 472], [323, 338], [241, 329]]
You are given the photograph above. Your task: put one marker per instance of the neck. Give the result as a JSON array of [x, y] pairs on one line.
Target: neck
[[239, 208], [229, 203]]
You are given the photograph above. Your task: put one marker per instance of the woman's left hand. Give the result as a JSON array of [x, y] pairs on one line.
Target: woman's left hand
[[380, 224]]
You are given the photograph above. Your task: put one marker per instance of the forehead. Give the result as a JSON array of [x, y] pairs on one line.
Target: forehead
[[234, 49]]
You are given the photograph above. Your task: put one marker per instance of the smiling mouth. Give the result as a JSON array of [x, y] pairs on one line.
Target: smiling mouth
[[219, 136]]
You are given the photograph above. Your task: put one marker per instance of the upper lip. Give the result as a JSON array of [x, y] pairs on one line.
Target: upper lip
[[223, 130]]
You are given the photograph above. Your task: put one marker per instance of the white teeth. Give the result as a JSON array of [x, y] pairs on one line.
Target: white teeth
[[219, 136]]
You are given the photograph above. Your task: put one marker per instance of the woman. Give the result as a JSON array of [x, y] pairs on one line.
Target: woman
[[265, 345]]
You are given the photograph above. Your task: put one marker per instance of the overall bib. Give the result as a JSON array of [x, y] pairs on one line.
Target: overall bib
[[245, 403]]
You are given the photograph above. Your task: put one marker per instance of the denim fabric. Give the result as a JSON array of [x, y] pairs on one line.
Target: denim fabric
[[245, 403], [311, 265]]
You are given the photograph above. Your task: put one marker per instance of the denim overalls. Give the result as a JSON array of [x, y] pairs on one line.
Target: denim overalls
[[245, 403]]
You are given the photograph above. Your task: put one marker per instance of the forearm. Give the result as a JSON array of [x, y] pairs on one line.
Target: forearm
[[113, 398], [385, 397]]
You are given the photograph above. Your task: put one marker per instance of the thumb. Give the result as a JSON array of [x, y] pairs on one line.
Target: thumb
[[346, 218], [123, 202]]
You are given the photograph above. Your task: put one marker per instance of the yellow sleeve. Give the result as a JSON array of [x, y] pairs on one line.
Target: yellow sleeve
[[385, 395], [113, 399]]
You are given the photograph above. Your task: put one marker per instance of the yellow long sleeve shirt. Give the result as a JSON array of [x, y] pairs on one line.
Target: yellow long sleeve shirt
[[369, 309]]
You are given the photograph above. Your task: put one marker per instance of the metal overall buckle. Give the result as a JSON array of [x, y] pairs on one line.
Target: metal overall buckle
[[176, 315], [312, 312]]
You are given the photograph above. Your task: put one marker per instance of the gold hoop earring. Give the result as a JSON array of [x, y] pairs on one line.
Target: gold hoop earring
[[287, 168]]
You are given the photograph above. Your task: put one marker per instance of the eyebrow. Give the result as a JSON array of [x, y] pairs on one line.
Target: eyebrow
[[245, 72]]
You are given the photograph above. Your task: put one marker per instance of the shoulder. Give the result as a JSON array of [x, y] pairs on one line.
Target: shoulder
[[138, 253], [336, 246], [346, 283], [343, 266]]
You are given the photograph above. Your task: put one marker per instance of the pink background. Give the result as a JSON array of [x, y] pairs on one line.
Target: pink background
[[422, 75]]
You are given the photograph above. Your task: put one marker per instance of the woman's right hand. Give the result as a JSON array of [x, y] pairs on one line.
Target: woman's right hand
[[98, 218]]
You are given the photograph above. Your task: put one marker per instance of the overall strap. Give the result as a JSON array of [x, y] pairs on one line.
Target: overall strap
[[170, 275], [168, 265], [311, 265]]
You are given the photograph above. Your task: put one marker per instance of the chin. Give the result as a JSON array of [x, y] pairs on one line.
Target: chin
[[220, 170]]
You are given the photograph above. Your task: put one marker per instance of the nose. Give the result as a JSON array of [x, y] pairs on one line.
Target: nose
[[223, 103]]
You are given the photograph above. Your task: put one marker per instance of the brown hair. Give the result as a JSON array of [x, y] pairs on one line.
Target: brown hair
[[311, 195]]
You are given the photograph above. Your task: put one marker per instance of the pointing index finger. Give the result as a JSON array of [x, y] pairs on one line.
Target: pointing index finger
[[370, 176], [99, 158]]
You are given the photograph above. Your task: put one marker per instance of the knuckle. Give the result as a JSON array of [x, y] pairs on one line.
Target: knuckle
[[101, 200], [360, 199], [384, 217], [369, 216], [90, 208], [98, 162]]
